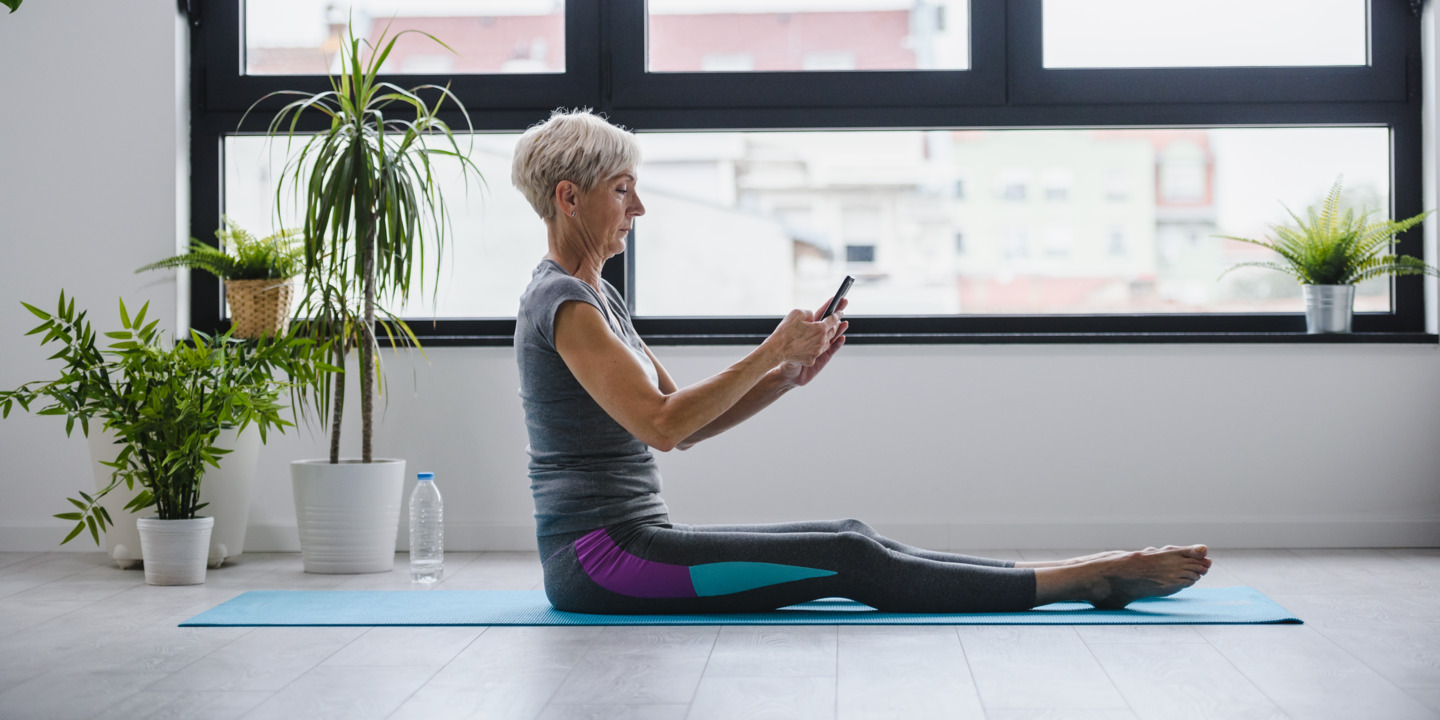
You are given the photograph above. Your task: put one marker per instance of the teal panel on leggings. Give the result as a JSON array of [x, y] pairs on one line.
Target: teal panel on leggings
[[724, 578]]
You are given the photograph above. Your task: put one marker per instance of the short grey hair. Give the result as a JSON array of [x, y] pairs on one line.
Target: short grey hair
[[575, 145]]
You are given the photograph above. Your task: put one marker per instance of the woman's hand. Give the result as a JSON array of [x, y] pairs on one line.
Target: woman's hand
[[810, 343]]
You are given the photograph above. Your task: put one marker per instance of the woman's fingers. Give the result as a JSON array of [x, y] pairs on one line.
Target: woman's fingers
[[802, 339]]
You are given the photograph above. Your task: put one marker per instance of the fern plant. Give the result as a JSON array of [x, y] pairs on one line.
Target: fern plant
[[242, 256], [1331, 247]]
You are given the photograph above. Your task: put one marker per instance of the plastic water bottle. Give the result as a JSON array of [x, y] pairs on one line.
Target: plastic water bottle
[[427, 530]]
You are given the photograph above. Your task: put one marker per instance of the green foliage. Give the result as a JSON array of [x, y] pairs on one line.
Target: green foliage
[[12, 4], [1331, 247], [166, 407], [373, 212], [242, 256]]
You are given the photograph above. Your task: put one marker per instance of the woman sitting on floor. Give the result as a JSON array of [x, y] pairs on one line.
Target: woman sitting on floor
[[596, 401]]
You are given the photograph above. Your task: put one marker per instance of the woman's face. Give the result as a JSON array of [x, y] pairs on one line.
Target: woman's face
[[609, 208]]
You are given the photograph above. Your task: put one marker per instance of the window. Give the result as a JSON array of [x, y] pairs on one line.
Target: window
[[812, 35], [860, 253], [300, 37], [1204, 33], [991, 170]]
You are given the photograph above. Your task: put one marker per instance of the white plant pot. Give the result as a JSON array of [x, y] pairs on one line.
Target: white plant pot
[[175, 550], [227, 489], [122, 539], [348, 513]]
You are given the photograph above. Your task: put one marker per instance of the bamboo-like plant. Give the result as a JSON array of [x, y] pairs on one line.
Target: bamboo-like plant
[[1331, 247], [372, 211], [166, 406], [241, 255]]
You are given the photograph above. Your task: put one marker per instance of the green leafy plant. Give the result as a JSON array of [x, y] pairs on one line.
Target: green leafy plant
[[372, 209], [242, 256], [12, 4], [166, 406], [1331, 247]]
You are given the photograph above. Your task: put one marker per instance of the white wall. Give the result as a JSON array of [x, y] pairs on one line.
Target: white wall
[[949, 446]]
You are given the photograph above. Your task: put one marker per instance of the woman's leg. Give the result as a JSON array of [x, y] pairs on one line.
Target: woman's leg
[[658, 569], [661, 569], [856, 526]]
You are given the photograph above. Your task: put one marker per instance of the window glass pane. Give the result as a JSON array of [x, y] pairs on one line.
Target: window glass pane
[[986, 221], [497, 238], [301, 37], [818, 35], [1204, 33]]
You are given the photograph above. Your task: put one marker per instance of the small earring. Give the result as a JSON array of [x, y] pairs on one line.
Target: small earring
[[572, 213]]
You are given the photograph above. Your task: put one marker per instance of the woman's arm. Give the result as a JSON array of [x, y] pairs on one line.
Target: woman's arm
[[777, 382], [608, 371]]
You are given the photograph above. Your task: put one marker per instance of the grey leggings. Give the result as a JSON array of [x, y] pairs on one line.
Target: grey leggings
[[651, 566]]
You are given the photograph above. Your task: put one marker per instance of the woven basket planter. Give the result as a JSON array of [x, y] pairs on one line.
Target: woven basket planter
[[260, 307]]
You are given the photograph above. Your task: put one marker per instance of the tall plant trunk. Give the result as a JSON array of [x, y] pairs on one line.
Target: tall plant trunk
[[367, 348], [338, 409]]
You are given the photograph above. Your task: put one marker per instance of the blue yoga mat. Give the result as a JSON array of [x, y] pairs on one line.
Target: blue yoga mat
[[301, 608]]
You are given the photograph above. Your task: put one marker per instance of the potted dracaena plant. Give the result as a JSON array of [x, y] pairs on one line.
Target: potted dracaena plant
[[373, 209], [259, 276], [1329, 251], [165, 410]]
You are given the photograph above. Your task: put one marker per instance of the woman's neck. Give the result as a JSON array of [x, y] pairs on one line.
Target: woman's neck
[[573, 259]]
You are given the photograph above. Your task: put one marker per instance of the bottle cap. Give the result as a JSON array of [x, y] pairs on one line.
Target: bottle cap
[[425, 476]]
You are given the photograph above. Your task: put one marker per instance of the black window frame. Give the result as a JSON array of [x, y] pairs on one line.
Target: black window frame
[[1007, 87]]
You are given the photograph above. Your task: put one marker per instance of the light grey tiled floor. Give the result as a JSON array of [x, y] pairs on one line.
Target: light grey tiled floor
[[80, 638]]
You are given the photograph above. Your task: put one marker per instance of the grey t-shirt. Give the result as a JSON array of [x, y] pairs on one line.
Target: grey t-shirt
[[586, 471]]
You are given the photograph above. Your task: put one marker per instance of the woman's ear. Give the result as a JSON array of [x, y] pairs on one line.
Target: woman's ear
[[567, 197]]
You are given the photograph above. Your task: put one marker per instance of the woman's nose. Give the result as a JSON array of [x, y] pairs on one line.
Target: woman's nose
[[637, 208]]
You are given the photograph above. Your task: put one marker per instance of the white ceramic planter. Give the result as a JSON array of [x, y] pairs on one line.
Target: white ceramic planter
[[348, 513], [122, 539], [227, 489], [175, 551]]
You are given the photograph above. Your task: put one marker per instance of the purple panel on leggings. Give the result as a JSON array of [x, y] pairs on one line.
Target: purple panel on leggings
[[620, 572]]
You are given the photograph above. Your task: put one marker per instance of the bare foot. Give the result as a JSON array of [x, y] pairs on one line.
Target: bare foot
[[1152, 572]]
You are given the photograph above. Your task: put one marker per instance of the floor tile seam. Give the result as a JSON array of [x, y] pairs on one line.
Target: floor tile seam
[[214, 650], [1253, 683], [1128, 705], [588, 646], [710, 654], [133, 692], [413, 692], [970, 670], [1390, 552], [311, 669], [31, 557], [980, 696], [437, 672], [1360, 660], [835, 670]]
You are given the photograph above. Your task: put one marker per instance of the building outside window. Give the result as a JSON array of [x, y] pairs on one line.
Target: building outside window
[[787, 141]]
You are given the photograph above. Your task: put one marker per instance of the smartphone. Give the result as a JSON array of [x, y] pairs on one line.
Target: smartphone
[[839, 294]]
